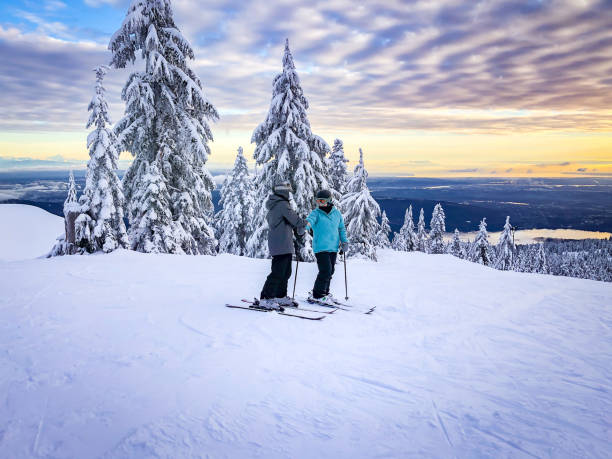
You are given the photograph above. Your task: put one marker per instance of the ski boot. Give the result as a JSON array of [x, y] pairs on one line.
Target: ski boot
[[287, 302], [268, 304], [325, 300], [332, 298]]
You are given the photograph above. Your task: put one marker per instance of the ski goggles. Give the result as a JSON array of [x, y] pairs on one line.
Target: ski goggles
[[284, 187], [322, 201]]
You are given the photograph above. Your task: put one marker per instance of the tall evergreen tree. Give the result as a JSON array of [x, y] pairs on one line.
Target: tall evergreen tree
[[100, 226], [406, 239], [382, 236], [437, 229], [360, 213], [336, 166], [166, 129], [238, 205], [287, 149], [422, 242], [481, 248], [455, 246], [505, 248]]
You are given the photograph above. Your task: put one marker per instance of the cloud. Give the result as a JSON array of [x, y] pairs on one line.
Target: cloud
[[8, 162], [45, 27], [462, 171], [98, 3], [591, 174], [54, 5], [437, 65], [58, 158], [581, 169], [35, 190], [563, 164]]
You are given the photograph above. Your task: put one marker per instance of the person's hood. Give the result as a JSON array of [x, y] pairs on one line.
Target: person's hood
[[277, 197]]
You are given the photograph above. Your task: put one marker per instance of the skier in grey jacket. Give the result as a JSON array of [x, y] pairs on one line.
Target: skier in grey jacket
[[282, 222]]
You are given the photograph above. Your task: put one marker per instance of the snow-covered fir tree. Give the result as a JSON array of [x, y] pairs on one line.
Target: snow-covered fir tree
[[437, 229], [337, 173], [353, 183], [455, 246], [421, 237], [71, 204], [166, 129], [100, 226], [505, 248], [540, 265], [481, 251], [523, 259], [287, 149], [382, 236], [234, 220], [360, 213], [406, 239], [156, 231]]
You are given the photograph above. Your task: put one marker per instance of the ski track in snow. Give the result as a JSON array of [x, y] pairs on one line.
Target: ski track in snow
[[133, 355]]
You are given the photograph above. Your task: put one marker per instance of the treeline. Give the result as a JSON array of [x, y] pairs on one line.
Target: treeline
[[585, 259]]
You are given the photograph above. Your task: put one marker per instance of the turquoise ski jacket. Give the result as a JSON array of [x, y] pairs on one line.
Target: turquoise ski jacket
[[328, 230]]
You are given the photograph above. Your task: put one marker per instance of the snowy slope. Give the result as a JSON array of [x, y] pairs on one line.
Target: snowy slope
[[27, 231], [134, 355]]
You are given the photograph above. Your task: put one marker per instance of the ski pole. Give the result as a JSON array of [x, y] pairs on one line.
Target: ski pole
[[345, 281], [297, 264]]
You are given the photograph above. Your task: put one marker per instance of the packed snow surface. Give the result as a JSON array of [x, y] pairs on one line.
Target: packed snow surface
[[27, 231], [135, 355]]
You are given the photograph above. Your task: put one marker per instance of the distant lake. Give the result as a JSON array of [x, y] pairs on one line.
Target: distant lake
[[531, 236]]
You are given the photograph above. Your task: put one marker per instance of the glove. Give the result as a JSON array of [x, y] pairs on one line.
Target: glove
[[298, 244], [344, 247]]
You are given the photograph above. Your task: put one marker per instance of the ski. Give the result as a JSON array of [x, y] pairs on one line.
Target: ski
[[342, 306], [299, 308], [326, 305], [370, 309], [282, 313]]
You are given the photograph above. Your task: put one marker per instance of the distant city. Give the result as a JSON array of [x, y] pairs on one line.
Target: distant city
[[534, 203]]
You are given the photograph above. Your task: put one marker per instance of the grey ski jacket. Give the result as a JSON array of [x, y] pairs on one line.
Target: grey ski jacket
[[282, 220]]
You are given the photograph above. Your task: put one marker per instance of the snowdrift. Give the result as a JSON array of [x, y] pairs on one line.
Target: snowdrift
[[134, 355], [27, 231]]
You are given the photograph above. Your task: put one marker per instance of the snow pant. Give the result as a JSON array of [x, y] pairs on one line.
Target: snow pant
[[326, 261], [276, 282]]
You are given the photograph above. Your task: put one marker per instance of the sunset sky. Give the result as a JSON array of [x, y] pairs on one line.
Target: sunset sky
[[426, 88]]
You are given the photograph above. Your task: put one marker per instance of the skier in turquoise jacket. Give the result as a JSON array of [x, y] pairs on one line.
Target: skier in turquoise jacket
[[329, 234]]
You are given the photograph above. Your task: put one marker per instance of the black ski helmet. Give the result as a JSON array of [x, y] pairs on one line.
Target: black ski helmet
[[324, 194]]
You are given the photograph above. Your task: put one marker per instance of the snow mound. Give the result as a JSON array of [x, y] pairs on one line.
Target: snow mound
[[135, 355], [27, 231]]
